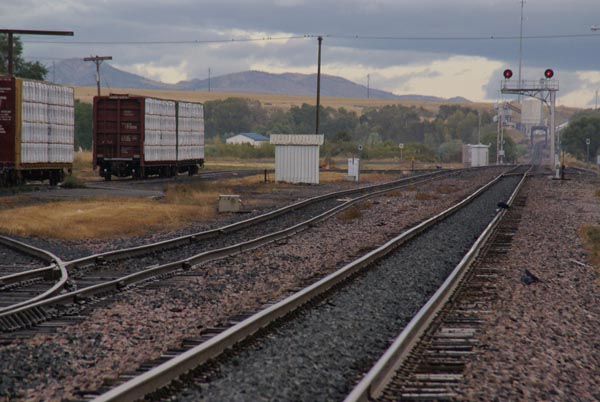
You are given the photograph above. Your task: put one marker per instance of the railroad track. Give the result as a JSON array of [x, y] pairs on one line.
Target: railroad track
[[28, 274], [427, 359], [339, 325], [95, 276]]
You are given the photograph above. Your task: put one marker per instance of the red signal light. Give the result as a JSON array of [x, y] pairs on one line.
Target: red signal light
[[507, 73], [548, 73]]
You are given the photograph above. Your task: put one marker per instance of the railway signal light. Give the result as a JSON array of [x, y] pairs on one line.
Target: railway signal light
[[549, 73], [507, 73]]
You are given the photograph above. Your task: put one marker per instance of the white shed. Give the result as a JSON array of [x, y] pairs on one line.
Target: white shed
[[297, 157], [480, 155]]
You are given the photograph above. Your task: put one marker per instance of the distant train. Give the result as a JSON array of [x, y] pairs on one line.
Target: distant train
[[37, 126], [139, 136]]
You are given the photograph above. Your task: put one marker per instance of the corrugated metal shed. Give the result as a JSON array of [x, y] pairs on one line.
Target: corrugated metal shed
[[479, 155], [297, 139], [297, 157]]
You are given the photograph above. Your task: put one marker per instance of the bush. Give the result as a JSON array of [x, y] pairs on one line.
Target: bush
[[72, 182]]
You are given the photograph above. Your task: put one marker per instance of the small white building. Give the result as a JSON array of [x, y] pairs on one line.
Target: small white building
[[478, 155], [297, 157], [253, 139]]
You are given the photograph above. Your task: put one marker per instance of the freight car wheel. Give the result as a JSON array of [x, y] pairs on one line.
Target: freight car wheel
[[55, 177]]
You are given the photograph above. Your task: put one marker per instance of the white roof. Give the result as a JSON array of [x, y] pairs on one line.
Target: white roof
[[297, 139]]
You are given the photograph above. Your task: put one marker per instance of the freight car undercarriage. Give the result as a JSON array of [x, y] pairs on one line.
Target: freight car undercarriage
[[14, 177], [124, 167]]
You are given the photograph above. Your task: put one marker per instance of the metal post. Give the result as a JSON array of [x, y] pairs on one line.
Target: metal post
[[498, 136], [521, 47], [553, 140], [320, 39], [587, 144]]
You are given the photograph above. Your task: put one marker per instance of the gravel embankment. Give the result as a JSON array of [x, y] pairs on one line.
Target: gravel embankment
[[541, 340], [144, 322]]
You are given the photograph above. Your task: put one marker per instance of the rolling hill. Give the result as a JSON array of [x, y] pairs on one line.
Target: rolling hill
[[76, 72]]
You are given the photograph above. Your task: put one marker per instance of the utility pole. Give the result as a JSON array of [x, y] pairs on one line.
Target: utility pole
[[368, 86], [320, 39], [98, 60], [521, 46], [11, 32], [209, 79], [479, 127]]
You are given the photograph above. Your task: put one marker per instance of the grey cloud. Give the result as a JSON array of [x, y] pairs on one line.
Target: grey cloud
[[340, 21]]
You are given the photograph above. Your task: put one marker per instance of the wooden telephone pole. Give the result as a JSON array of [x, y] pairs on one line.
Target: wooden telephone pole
[[98, 60], [11, 32]]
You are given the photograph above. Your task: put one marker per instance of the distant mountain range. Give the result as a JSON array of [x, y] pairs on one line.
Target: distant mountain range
[[76, 72]]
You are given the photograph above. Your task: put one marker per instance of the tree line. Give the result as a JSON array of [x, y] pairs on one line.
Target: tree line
[[427, 136]]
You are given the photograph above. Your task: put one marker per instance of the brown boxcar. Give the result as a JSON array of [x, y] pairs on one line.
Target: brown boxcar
[[139, 136], [37, 127]]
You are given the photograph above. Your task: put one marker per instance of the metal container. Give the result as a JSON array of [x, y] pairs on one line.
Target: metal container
[[139, 136], [37, 127]]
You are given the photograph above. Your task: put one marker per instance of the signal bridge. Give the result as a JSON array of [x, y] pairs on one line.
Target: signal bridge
[[545, 90], [530, 88]]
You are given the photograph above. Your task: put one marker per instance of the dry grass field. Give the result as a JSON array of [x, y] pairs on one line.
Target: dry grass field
[[86, 94], [114, 217]]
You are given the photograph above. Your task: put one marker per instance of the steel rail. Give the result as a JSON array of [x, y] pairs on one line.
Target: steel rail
[[375, 381], [56, 268], [163, 374], [182, 240], [185, 264]]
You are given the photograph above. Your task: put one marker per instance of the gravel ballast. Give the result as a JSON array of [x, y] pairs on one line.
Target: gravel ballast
[[145, 322], [318, 355], [541, 340], [13, 261]]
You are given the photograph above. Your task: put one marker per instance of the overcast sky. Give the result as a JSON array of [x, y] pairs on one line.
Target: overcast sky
[[428, 47]]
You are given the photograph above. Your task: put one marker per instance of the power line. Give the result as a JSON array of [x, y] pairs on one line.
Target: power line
[[178, 42], [466, 38], [329, 36]]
